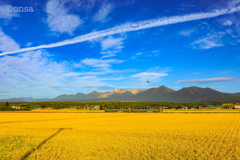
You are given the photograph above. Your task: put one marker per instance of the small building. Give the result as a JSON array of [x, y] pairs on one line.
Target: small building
[[17, 107], [202, 107], [236, 106], [81, 107], [96, 107], [34, 108]]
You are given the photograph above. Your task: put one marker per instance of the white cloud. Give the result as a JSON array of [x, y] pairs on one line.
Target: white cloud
[[210, 41], [7, 43], [233, 3], [147, 74], [28, 44], [110, 45], [59, 86], [33, 71], [211, 80], [137, 54], [152, 76], [129, 27], [5, 14], [36, 74], [186, 32], [205, 43], [59, 19], [111, 42], [227, 23], [110, 87], [108, 55], [212, 86], [100, 63], [103, 12]]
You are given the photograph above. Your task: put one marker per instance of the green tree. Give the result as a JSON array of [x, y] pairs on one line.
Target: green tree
[[6, 104]]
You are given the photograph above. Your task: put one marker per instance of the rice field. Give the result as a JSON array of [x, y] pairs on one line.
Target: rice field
[[119, 136]]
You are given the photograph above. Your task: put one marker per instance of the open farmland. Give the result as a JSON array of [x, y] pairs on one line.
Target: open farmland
[[119, 136]]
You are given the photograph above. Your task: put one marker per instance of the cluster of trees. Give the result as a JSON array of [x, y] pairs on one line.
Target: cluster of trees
[[4, 106], [7, 106], [60, 105]]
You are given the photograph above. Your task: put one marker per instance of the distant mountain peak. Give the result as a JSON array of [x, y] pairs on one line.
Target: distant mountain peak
[[191, 94], [165, 88], [94, 92]]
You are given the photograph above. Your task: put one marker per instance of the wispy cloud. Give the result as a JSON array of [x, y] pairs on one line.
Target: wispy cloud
[[186, 32], [215, 87], [100, 63], [210, 80], [111, 87], [103, 12], [28, 44], [105, 87], [210, 41], [137, 54], [59, 86], [111, 42], [111, 46], [129, 27], [59, 19], [206, 43], [152, 76], [227, 23], [233, 2], [45, 76], [7, 43]]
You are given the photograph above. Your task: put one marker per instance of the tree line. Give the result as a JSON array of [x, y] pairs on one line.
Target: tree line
[[7, 106]]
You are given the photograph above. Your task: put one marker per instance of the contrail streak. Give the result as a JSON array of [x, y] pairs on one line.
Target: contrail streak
[[128, 27]]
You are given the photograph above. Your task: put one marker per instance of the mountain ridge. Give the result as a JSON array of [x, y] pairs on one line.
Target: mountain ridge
[[191, 94]]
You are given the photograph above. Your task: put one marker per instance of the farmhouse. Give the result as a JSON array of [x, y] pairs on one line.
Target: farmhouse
[[89, 108], [237, 107], [97, 107], [17, 107], [81, 107]]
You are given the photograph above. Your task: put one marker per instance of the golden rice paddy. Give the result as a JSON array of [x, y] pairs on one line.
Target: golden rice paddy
[[119, 136]]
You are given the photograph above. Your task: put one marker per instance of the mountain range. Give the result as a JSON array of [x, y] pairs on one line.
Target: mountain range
[[160, 94]]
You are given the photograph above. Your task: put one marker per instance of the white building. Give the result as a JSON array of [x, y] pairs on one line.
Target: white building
[[16, 107], [237, 107], [97, 107]]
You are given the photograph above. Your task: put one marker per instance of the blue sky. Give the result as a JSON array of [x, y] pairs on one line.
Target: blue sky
[[70, 46]]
